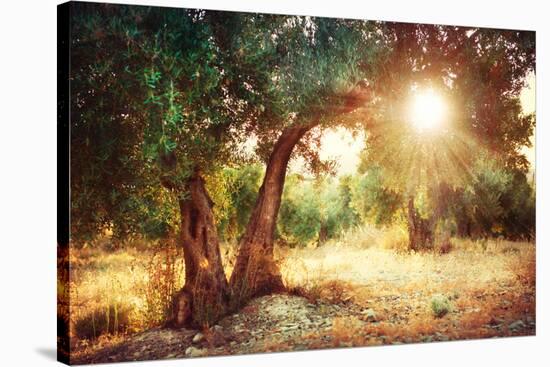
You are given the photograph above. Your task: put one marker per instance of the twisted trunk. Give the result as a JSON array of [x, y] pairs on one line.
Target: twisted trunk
[[204, 299], [206, 295], [256, 272]]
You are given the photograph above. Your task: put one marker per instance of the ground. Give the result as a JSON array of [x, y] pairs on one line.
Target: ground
[[347, 294]]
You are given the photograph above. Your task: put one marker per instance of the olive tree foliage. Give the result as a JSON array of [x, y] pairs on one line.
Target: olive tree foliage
[[159, 105], [479, 73], [314, 68], [106, 133], [158, 92], [154, 98]]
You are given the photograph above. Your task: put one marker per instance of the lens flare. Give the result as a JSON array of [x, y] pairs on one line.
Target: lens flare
[[427, 110]]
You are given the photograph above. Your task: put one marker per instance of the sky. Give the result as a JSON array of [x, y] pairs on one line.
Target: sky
[[528, 103], [339, 144]]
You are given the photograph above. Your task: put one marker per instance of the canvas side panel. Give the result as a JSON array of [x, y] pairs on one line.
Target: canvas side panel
[[63, 192]]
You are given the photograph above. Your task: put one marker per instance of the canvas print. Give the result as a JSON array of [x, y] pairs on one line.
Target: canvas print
[[234, 183]]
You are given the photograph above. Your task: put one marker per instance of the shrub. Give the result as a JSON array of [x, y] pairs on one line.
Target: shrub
[[440, 305], [164, 279], [332, 291]]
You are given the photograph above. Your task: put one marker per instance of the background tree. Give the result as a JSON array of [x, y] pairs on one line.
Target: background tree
[[315, 210], [481, 72], [372, 200], [497, 202], [299, 220], [234, 191]]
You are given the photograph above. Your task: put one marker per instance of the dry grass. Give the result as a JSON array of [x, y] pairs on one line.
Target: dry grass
[[487, 283], [116, 292]]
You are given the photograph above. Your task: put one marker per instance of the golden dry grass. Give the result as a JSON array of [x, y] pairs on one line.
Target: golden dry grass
[[489, 285], [487, 282]]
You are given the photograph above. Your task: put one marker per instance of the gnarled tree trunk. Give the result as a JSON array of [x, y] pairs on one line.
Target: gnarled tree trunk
[[204, 299], [255, 272]]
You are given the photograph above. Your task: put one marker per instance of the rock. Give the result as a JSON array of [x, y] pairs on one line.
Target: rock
[[198, 338], [217, 339], [516, 325], [217, 328], [195, 352]]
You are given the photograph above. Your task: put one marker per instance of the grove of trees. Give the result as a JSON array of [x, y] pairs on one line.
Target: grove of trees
[[164, 102]]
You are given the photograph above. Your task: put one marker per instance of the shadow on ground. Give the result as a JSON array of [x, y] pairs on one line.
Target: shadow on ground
[[49, 353]]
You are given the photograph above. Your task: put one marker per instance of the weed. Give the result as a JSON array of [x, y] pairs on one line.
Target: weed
[[113, 319], [440, 305]]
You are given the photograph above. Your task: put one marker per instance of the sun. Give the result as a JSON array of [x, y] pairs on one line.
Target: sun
[[427, 110]]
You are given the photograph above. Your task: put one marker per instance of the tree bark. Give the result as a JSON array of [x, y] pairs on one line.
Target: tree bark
[[463, 228], [420, 229], [255, 272], [204, 299], [323, 232]]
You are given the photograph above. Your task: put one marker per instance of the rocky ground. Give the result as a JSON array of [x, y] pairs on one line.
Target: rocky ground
[[291, 323]]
